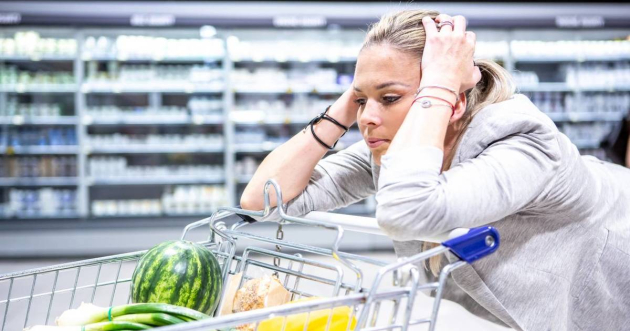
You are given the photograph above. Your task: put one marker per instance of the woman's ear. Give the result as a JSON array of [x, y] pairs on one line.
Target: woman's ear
[[460, 108]]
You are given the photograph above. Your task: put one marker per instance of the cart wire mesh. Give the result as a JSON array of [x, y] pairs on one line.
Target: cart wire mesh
[[330, 289]]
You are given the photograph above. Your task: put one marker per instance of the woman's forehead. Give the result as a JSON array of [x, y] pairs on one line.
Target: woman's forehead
[[379, 64]]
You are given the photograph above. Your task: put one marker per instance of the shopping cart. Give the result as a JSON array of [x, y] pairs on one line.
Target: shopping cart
[[335, 278]]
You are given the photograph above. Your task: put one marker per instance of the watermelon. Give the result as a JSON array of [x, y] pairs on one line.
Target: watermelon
[[180, 273]]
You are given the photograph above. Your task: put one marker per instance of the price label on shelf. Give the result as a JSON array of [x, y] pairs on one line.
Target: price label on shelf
[[18, 120], [189, 88], [87, 120], [198, 119]]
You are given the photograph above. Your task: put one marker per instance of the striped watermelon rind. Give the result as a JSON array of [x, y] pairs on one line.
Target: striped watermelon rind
[[180, 273]]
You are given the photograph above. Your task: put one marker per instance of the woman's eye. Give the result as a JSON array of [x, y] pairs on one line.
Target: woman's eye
[[390, 99], [360, 102]]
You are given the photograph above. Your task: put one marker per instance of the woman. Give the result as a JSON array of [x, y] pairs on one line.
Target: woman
[[463, 152]]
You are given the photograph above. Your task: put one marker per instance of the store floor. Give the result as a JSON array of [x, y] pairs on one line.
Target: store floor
[[451, 315]]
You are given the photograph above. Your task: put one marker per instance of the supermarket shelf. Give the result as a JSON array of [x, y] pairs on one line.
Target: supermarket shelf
[[195, 216], [265, 147], [243, 179], [148, 87], [170, 180], [39, 150], [563, 87], [208, 59], [153, 120], [243, 119], [38, 120], [546, 87], [343, 59], [586, 144], [40, 181], [291, 90], [40, 217], [155, 149], [570, 59], [35, 58], [356, 209], [612, 88], [36, 88], [586, 117]]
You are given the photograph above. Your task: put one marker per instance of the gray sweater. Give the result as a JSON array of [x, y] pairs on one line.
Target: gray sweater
[[564, 219]]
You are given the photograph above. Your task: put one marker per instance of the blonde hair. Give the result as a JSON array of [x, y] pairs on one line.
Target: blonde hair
[[404, 31]]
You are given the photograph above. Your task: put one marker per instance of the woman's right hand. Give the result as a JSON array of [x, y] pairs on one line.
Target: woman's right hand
[[345, 109]]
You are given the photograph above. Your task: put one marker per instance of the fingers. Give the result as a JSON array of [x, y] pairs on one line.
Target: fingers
[[429, 26], [471, 37], [445, 23], [460, 23], [443, 18]]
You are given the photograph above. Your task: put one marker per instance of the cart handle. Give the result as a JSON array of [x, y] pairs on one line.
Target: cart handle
[[370, 225], [468, 244]]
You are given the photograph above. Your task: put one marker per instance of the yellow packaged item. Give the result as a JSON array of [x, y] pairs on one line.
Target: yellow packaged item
[[317, 321]]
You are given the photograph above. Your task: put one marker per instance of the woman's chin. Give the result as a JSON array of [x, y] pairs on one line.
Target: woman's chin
[[377, 153]]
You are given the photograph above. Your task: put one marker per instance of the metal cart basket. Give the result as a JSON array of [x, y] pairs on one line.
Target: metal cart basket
[[336, 279]]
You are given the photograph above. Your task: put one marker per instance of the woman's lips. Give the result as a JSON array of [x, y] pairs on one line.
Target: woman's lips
[[373, 142]]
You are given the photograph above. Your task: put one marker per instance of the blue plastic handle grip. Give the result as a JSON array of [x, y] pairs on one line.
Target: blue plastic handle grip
[[475, 244]]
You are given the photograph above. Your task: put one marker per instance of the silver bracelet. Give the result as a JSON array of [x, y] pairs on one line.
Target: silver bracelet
[[440, 87]]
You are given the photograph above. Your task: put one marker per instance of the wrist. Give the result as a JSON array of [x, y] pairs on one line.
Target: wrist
[[439, 96], [344, 110], [440, 78], [326, 133]]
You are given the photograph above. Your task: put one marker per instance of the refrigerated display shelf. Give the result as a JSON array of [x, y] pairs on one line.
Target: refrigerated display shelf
[[571, 59], [152, 149], [243, 179], [38, 120], [36, 58], [170, 180], [586, 117], [291, 90], [39, 181], [149, 88], [44, 150], [213, 59], [96, 91], [606, 88], [192, 216], [563, 87], [39, 217], [154, 120], [357, 209], [343, 59], [12, 88], [546, 87], [586, 144], [265, 147], [271, 121]]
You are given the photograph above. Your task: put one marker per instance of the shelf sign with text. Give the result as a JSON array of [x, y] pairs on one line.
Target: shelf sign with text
[[299, 21], [572, 21], [10, 18], [152, 20]]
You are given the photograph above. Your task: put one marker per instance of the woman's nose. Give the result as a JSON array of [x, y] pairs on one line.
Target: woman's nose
[[370, 116]]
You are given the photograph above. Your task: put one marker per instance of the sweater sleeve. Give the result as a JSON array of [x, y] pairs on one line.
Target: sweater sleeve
[[415, 199], [337, 181]]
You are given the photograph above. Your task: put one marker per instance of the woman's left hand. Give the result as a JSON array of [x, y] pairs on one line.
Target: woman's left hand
[[447, 59]]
